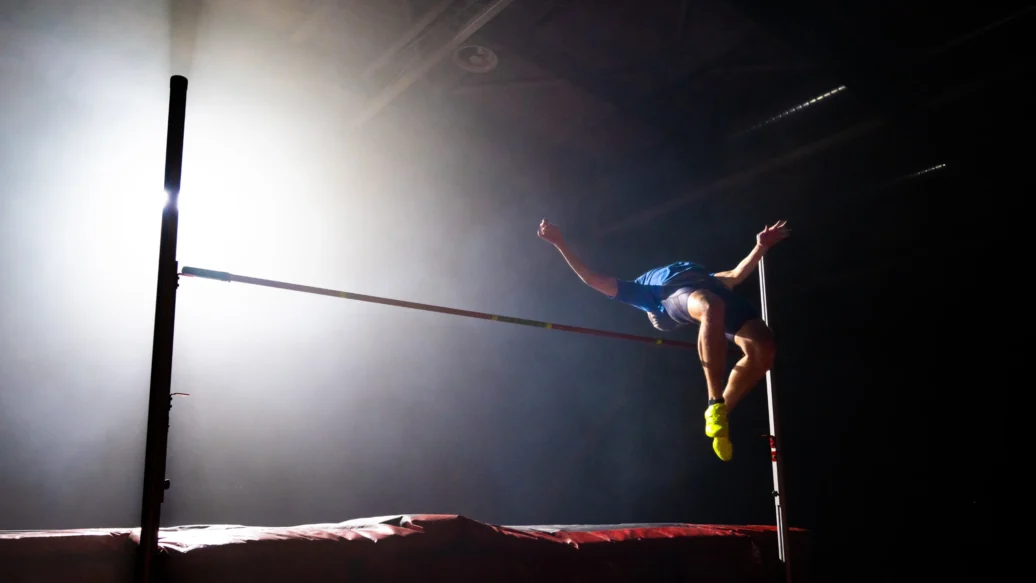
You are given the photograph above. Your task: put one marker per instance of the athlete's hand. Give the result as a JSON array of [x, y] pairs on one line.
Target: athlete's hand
[[550, 233], [770, 236]]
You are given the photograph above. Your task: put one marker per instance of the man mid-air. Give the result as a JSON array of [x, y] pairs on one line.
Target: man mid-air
[[684, 293]]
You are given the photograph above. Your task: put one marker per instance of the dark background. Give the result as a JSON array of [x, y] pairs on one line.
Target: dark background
[[650, 131]]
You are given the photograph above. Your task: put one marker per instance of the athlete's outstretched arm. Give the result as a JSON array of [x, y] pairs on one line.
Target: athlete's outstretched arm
[[766, 239], [605, 284]]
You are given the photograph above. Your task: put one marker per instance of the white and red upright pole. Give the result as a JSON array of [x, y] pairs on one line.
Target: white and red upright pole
[[775, 452]]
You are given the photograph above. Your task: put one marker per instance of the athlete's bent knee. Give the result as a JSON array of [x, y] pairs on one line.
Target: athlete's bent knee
[[759, 345], [764, 351]]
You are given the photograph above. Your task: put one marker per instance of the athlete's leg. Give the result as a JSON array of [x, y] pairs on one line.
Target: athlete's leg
[[756, 340], [707, 308]]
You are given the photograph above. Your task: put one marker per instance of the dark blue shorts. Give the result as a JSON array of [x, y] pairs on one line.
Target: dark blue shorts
[[737, 310]]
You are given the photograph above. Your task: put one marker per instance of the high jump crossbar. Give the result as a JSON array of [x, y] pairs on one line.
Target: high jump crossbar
[[230, 277]]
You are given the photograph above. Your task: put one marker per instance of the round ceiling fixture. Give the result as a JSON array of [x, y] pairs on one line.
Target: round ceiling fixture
[[475, 59]]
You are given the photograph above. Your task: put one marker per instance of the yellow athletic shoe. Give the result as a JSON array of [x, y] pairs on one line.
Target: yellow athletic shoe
[[716, 420], [717, 428], [723, 447]]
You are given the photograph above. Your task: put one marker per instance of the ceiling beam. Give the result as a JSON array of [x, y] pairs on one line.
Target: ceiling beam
[[317, 18], [744, 176], [693, 193], [865, 67], [411, 75], [695, 138], [646, 110], [407, 37]]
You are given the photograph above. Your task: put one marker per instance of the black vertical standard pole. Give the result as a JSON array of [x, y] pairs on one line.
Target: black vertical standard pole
[[160, 400]]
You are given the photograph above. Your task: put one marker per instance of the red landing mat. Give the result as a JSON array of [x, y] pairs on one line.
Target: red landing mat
[[419, 547]]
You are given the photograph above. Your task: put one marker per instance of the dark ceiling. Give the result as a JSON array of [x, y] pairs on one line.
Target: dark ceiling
[[612, 85], [669, 110]]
